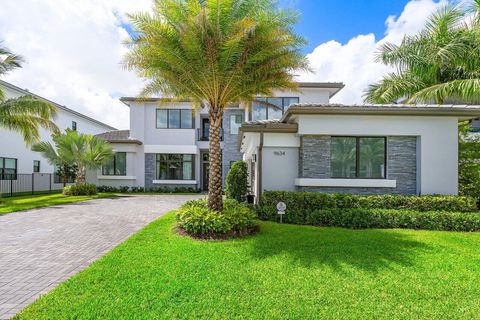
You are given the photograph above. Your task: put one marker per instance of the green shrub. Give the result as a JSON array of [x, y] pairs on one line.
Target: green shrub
[[236, 183], [195, 218], [389, 218], [301, 204], [80, 190]]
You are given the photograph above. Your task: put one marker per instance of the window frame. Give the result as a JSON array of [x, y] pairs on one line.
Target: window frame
[[266, 104], [74, 125], [114, 159], [192, 125], [2, 169], [168, 161], [36, 168], [357, 157]]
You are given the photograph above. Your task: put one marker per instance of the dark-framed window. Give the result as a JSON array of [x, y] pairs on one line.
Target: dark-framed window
[[36, 166], [174, 119], [358, 157], [175, 166], [8, 168], [116, 166], [74, 125], [271, 107]]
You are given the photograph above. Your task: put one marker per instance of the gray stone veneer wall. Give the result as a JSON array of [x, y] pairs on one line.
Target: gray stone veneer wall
[[230, 151], [150, 164], [314, 162]]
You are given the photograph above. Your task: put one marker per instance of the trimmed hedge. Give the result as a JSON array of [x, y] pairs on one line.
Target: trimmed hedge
[[196, 219], [301, 204], [80, 190], [127, 189], [389, 218]]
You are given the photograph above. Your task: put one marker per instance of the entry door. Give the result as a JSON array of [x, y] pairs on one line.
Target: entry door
[[205, 170]]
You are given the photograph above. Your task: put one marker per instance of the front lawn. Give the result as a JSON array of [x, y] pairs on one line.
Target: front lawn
[[13, 204], [285, 271]]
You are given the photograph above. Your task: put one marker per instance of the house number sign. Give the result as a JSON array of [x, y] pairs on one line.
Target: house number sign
[[279, 153]]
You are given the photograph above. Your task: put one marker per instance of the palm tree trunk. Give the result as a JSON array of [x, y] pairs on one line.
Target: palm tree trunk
[[80, 175], [215, 201]]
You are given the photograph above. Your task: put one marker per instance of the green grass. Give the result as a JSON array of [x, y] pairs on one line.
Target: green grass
[[284, 272], [20, 203]]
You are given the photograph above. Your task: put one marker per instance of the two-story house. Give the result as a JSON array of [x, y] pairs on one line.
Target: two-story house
[[28, 168], [167, 144]]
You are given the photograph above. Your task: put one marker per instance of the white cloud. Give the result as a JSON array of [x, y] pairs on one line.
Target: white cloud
[[74, 48], [353, 63], [73, 51]]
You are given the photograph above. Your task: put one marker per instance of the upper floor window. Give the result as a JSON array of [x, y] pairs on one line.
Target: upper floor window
[[358, 157], [117, 166], [36, 166], [74, 125], [235, 123], [175, 167], [174, 119], [8, 169], [271, 108]]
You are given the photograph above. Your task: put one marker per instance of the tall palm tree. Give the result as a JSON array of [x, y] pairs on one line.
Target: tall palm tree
[[76, 150], [26, 114], [217, 52], [440, 63]]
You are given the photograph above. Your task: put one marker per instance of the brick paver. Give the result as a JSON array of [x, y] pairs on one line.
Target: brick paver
[[41, 248]]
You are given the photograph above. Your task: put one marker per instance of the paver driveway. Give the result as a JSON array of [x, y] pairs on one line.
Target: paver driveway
[[41, 248]]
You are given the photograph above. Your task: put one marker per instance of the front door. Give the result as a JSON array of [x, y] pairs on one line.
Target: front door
[[205, 170]]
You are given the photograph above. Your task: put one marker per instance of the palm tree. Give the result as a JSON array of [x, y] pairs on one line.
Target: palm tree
[[26, 114], [216, 52], [75, 150], [440, 63]]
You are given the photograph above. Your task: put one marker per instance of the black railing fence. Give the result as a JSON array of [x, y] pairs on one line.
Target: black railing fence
[[30, 183]]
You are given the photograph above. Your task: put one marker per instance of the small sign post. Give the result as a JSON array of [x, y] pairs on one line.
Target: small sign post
[[281, 207]]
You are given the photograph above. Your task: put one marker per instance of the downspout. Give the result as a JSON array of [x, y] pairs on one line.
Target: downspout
[[259, 182]]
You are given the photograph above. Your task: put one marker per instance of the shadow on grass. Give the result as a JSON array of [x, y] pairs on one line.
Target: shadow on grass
[[369, 250]]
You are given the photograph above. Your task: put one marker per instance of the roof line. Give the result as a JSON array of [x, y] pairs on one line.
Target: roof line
[[26, 92], [386, 109]]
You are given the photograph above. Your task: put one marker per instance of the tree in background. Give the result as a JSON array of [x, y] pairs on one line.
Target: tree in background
[[236, 183], [440, 63], [26, 114], [76, 150], [216, 52]]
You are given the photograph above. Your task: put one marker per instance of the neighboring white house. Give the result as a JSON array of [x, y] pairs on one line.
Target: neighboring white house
[[167, 144], [16, 157], [366, 149]]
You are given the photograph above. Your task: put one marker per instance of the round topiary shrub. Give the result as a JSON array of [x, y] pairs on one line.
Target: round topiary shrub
[[236, 183], [195, 219], [80, 190]]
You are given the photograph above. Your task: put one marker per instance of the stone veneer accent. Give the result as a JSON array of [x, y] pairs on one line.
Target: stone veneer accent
[[150, 164], [314, 162], [230, 151]]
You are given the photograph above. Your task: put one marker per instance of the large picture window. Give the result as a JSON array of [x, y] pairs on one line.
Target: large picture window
[[8, 169], [358, 157], [271, 108], [175, 167], [117, 166], [174, 119]]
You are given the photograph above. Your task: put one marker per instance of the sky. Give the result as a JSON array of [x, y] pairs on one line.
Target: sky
[[73, 48]]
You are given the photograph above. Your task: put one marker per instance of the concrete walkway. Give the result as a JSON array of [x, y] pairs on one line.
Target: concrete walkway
[[41, 248]]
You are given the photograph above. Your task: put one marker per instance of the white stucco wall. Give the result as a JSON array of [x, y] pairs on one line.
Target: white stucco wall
[[306, 95], [438, 142]]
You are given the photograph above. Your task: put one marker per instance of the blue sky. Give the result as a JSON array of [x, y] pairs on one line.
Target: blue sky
[[325, 20]]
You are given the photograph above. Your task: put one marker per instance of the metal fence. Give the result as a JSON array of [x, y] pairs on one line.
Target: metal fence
[[30, 183]]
